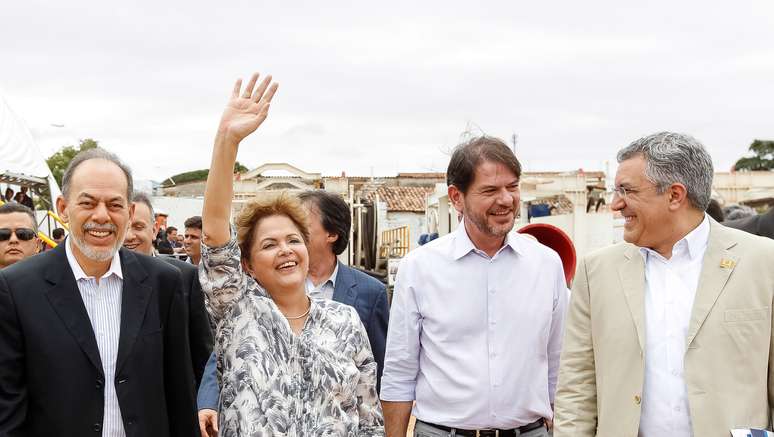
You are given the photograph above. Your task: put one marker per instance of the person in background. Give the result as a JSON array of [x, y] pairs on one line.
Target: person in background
[[25, 199], [670, 332], [715, 211], [193, 239], [288, 364], [18, 234], [759, 224], [94, 337], [9, 194], [139, 238], [169, 243], [459, 300], [58, 235]]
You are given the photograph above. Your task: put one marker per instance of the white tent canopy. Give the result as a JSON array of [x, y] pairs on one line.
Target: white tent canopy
[[21, 161]]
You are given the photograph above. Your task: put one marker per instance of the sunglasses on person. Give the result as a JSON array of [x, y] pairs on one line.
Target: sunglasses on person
[[23, 234]]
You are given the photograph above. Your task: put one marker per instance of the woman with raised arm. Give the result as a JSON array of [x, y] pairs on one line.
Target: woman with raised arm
[[287, 364]]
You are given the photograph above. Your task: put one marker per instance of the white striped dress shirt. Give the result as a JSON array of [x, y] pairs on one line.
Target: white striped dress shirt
[[103, 304]]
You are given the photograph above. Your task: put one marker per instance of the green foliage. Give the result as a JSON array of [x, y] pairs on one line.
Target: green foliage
[[197, 175], [239, 168], [762, 159], [59, 161]]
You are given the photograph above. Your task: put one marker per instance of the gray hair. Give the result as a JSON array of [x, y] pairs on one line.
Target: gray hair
[[96, 153], [140, 197], [675, 158]]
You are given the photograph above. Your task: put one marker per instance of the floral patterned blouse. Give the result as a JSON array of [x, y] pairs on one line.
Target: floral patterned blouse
[[275, 383]]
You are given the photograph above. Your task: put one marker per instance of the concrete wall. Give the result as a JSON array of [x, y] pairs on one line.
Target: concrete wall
[[179, 209]]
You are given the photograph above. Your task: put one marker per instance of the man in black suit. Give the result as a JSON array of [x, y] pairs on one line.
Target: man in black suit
[[139, 238], [94, 338], [761, 224]]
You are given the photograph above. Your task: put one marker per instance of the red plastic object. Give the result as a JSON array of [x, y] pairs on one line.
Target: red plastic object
[[559, 241]]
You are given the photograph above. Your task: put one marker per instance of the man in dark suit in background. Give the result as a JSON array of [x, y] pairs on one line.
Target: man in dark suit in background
[[329, 225], [139, 238], [93, 336], [761, 224]]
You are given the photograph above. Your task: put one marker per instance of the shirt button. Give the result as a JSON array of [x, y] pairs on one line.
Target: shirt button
[[97, 427], [677, 409], [492, 290], [675, 372], [637, 399]]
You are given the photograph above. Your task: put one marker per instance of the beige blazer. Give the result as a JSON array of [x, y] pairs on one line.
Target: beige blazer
[[729, 359]]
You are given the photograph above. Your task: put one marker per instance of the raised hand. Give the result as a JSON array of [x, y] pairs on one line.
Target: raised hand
[[247, 109]]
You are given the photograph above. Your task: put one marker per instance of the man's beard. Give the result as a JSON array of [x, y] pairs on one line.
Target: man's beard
[[90, 252], [480, 222]]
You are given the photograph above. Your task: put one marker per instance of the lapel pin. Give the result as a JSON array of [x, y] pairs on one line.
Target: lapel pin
[[727, 263]]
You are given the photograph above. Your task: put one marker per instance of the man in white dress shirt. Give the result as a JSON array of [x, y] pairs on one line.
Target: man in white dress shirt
[[669, 333], [477, 315]]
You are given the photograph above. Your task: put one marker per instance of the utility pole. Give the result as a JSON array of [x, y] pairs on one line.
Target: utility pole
[[514, 139]]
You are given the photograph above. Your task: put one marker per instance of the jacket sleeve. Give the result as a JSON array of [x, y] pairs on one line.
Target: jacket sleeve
[[575, 412], [200, 332], [368, 407], [209, 392], [13, 389], [377, 331], [178, 374]]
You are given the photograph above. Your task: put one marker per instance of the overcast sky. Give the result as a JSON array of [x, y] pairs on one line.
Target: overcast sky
[[390, 86]]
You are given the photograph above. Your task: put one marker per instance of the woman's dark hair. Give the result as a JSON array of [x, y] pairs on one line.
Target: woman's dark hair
[[334, 214], [468, 155]]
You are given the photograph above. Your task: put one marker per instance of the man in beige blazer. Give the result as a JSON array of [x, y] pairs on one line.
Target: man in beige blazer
[[670, 333]]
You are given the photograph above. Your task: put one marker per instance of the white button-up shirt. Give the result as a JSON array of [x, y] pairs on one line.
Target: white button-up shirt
[[670, 288], [326, 288], [476, 340], [103, 305]]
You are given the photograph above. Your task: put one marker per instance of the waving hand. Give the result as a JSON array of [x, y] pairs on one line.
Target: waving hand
[[247, 109]]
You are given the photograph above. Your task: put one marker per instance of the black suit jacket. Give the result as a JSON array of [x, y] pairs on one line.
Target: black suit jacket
[[199, 328], [51, 378], [761, 224]]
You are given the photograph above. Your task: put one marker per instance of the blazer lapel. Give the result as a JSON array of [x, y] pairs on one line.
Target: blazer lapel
[[65, 298], [632, 275], [134, 302], [717, 267], [345, 282]]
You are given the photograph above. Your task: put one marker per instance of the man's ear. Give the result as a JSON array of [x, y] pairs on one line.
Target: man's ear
[[678, 196], [456, 197], [331, 238], [61, 208]]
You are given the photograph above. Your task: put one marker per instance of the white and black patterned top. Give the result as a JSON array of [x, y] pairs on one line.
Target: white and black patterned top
[[274, 383]]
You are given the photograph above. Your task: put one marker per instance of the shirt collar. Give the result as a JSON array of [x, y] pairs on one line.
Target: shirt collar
[[115, 264], [332, 279], [463, 245], [694, 242]]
